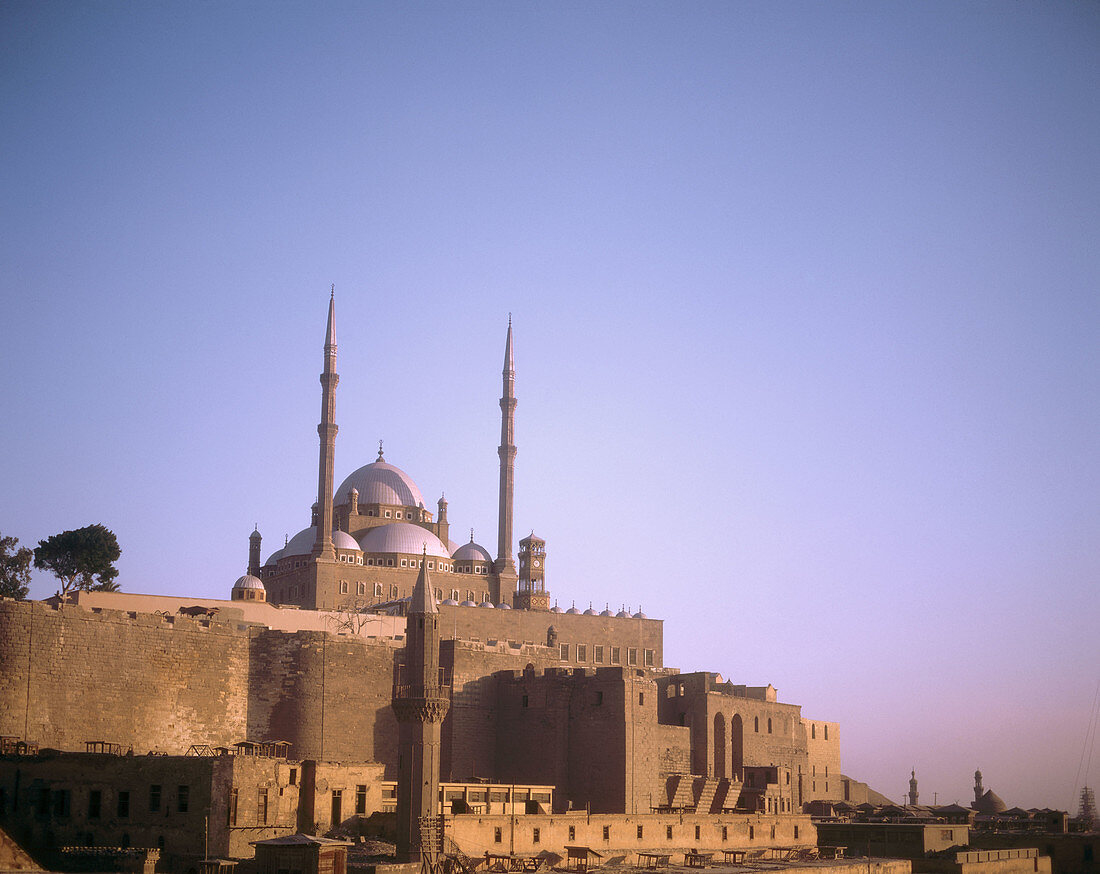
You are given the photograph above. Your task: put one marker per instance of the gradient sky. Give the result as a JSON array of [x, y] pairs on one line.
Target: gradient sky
[[805, 299]]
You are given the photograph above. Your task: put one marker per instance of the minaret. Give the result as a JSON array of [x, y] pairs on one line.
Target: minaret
[[505, 566], [419, 702], [977, 788], [323, 549], [254, 552], [913, 787]]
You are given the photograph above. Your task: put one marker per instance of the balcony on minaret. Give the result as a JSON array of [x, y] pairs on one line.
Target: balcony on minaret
[[406, 687]]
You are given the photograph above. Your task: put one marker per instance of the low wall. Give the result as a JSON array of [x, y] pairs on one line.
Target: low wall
[[616, 835]]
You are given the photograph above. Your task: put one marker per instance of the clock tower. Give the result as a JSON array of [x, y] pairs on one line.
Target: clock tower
[[531, 591]]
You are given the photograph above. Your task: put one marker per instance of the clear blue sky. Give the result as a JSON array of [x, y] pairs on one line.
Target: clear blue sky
[[806, 310]]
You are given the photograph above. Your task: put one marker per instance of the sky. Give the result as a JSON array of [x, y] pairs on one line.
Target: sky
[[806, 312]]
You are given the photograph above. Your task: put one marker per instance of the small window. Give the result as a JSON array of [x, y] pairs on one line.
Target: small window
[[631, 656], [796, 833], [454, 594], [387, 514], [572, 832], [668, 832], [599, 697], [154, 797], [769, 725], [232, 817], [826, 732], [725, 833], [773, 832], [607, 832], [389, 563], [497, 835], [261, 806], [95, 803], [293, 776], [616, 656], [756, 724], [535, 835], [696, 832], [431, 565], [752, 833], [398, 515], [377, 587], [641, 698], [403, 562], [649, 656], [565, 652], [393, 588], [813, 731], [343, 587], [597, 653], [641, 831], [182, 797], [123, 803], [525, 701], [582, 652], [361, 589]]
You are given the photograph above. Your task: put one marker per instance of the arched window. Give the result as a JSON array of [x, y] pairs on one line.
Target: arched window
[[813, 731], [769, 725], [756, 724]]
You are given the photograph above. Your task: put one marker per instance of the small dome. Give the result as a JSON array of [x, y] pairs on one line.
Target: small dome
[[302, 542], [354, 491], [623, 614], [991, 803], [380, 483], [402, 537], [555, 608], [503, 606], [472, 552], [486, 604], [573, 611], [606, 612], [249, 582], [467, 604], [590, 612], [640, 615], [450, 602]]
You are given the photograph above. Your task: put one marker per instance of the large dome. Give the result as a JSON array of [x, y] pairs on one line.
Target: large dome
[[403, 537], [380, 483], [302, 542]]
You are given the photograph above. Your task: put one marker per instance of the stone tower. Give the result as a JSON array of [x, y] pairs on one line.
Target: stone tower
[[505, 566], [420, 701], [254, 553], [323, 550], [977, 787], [531, 591], [913, 787]]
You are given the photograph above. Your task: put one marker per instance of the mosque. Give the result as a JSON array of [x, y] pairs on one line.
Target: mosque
[[379, 531]]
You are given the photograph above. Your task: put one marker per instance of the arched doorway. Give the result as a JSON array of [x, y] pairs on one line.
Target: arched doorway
[[737, 748], [719, 746]]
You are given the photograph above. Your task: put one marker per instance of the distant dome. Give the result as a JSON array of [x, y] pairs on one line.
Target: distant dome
[[640, 615], [472, 552], [487, 604], [274, 557], [467, 604], [249, 582], [380, 483], [450, 602], [622, 614], [589, 612], [573, 611], [606, 612], [991, 803], [302, 542], [555, 609], [403, 537], [503, 606]]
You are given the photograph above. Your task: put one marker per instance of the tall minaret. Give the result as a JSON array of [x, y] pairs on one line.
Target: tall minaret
[[419, 702], [913, 796], [505, 566], [322, 547]]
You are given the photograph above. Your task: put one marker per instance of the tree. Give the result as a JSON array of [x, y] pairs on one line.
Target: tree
[[15, 568], [81, 559]]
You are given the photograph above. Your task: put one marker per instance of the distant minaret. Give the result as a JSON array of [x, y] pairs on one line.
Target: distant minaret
[[505, 566], [977, 787], [419, 702], [254, 552], [913, 787], [322, 547]]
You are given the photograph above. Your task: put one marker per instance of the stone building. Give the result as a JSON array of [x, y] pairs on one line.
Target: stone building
[[304, 650]]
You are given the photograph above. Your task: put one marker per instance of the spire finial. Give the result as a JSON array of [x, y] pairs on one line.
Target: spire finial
[[471, 535], [380, 458], [332, 294]]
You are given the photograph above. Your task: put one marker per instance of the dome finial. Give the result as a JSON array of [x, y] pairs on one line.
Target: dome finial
[[380, 458], [332, 294], [471, 535]]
